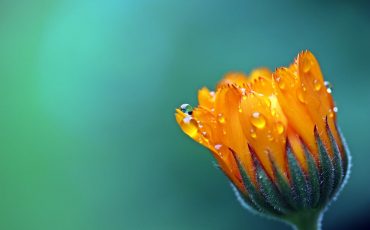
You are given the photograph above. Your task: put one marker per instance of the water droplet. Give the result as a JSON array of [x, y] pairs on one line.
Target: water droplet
[[329, 87], [335, 109], [187, 109], [221, 118], [187, 119], [331, 113], [316, 85], [270, 137], [304, 87], [218, 147], [258, 120], [301, 96], [253, 134], [212, 93], [190, 126], [279, 127]]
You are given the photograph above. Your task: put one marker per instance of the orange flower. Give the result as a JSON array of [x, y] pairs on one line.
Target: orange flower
[[265, 117]]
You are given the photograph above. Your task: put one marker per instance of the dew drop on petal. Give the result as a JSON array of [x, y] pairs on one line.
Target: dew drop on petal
[[270, 137], [190, 126], [301, 96], [258, 120], [331, 113], [304, 87], [187, 109], [221, 118], [335, 109], [218, 148], [317, 85], [279, 127], [329, 87], [187, 119], [253, 134]]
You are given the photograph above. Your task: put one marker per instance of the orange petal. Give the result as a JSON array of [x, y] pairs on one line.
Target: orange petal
[[234, 78], [264, 126], [318, 101], [287, 88], [206, 98], [226, 108]]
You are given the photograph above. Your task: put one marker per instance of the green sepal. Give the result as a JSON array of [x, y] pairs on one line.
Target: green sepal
[[337, 162], [326, 171], [268, 188], [312, 178], [300, 187], [283, 185], [254, 194]]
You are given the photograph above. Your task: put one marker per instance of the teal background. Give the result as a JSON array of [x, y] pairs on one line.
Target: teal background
[[88, 89]]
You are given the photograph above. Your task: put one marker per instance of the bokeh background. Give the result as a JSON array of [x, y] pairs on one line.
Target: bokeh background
[[88, 89]]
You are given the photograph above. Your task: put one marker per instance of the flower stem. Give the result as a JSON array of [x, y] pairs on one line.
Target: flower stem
[[308, 220]]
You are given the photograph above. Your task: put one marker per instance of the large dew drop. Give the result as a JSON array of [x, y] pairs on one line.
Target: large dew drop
[[258, 120], [187, 109], [329, 87], [190, 126]]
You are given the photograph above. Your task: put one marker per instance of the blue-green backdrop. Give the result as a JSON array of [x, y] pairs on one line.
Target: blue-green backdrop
[[88, 90]]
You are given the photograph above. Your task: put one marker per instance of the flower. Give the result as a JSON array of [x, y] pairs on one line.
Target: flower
[[274, 135]]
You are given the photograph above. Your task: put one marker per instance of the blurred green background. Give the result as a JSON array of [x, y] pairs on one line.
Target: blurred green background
[[88, 91]]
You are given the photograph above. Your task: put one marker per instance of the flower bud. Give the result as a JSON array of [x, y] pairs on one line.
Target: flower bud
[[274, 135]]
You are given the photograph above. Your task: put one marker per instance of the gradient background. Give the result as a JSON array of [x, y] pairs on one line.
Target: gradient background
[[88, 91]]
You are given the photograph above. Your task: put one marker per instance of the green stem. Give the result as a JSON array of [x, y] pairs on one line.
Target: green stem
[[308, 220]]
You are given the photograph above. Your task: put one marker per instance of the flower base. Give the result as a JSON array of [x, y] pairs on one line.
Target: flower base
[[306, 220]]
